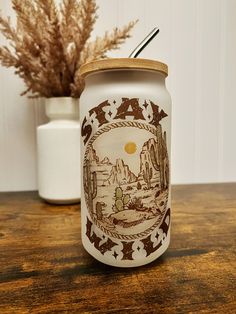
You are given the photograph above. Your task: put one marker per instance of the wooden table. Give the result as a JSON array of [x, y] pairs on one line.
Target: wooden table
[[44, 268]]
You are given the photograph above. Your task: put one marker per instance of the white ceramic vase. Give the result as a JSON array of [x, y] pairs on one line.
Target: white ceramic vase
[[58, 152]]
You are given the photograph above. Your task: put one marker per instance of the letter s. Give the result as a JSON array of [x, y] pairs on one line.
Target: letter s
[[86, 131]]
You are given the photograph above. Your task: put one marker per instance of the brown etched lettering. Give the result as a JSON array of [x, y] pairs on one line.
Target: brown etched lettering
[[86, 131], [92, 235], [157, 115], [107, 246], [164, 225], [148, 245], [124, 109], [100, 114], [127, 250]]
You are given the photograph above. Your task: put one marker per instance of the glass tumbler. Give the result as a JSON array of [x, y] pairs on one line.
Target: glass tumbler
[[125, 112]]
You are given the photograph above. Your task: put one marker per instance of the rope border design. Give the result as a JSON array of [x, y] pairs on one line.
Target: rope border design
[[93, 138]]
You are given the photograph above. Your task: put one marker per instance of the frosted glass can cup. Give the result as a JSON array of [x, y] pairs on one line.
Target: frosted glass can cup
[[125, 112]]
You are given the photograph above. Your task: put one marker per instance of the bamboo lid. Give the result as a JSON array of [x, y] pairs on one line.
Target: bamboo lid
[[123, 63]]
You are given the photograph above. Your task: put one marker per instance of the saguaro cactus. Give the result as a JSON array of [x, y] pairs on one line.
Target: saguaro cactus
[[154, 160], [159, 157], [121, 199], [90, 184], [147, 174]]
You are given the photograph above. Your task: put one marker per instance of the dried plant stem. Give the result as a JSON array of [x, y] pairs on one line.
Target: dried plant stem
[[49, 44]]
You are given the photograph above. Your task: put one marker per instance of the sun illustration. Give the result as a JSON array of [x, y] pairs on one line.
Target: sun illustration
[[130, 147]]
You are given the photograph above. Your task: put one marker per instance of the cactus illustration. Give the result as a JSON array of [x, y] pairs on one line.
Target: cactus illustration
[[118, 193], [147, 175], [121, 199], [100, 206], [153, 156], [158, 166], [158, 158], [90, 184]]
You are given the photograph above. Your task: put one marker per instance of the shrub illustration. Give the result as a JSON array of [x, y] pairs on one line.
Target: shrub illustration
[[139, 186], [136, 203], [129, 188]]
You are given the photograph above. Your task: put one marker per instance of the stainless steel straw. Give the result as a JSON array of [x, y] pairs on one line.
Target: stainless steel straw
[[144, 43]]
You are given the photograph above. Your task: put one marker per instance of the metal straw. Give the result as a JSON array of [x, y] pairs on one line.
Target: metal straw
[[144, 43]]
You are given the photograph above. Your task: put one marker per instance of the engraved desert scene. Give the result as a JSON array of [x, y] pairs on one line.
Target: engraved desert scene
[[126, 182]]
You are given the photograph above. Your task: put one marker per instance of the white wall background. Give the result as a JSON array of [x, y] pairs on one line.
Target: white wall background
[[198, 42]]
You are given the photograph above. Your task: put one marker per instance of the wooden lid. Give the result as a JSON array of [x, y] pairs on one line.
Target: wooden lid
[[123, 63]]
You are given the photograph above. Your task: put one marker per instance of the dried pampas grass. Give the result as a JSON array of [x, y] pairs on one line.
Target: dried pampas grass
[[49, 44]]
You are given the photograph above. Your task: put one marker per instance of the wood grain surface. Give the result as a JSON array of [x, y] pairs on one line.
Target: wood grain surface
[[44, 268]]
